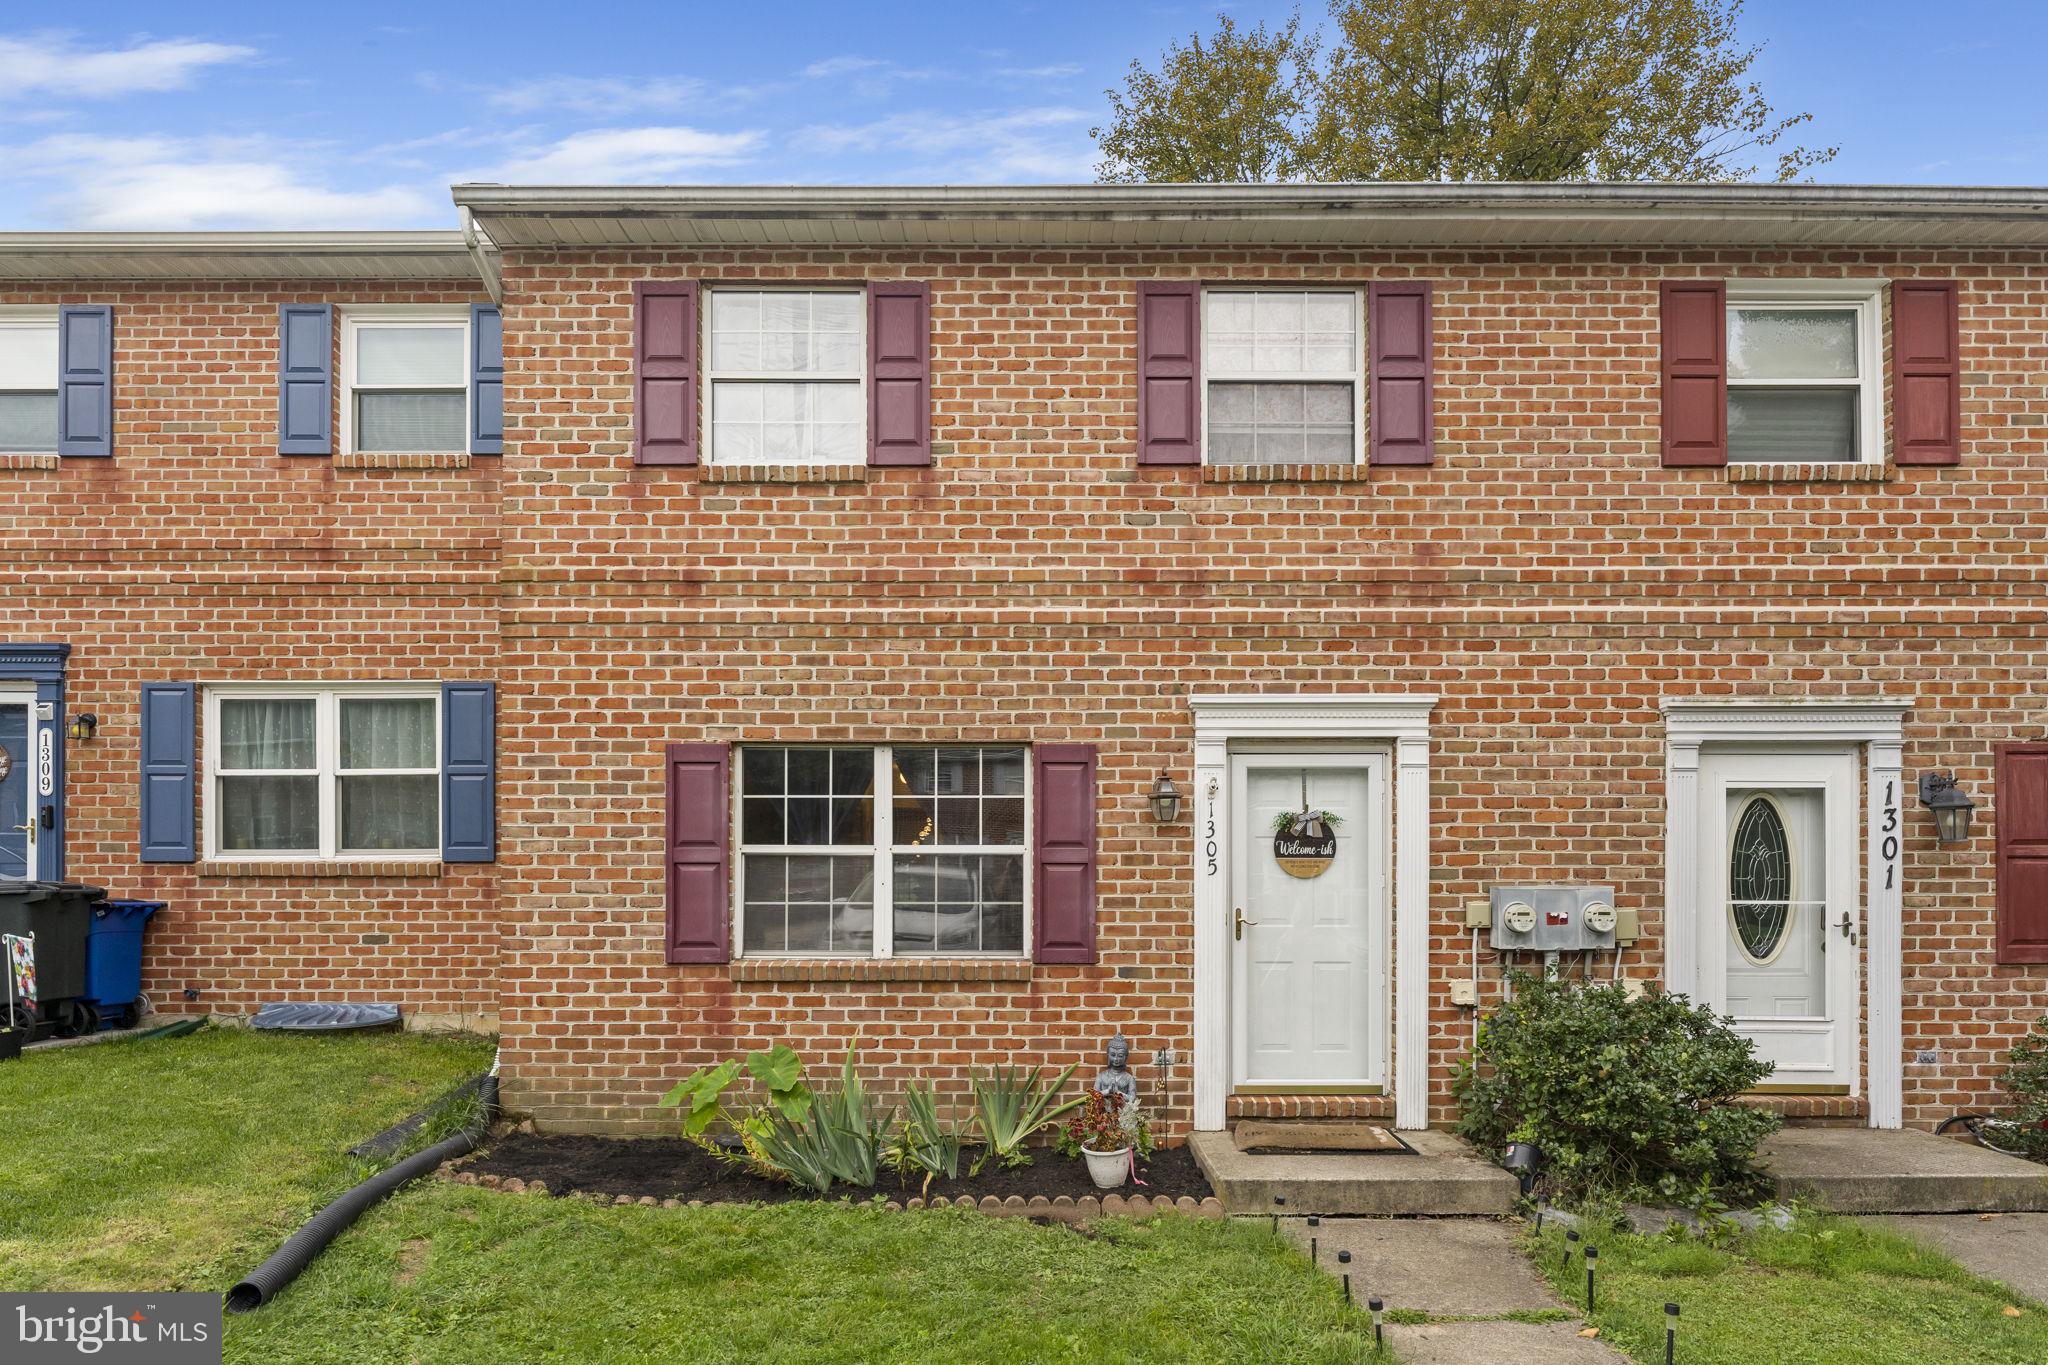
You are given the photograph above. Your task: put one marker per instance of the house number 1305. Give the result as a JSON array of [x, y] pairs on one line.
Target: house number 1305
[[1209, 837]]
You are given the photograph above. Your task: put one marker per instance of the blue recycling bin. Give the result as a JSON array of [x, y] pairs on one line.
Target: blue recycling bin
[[113, 959]]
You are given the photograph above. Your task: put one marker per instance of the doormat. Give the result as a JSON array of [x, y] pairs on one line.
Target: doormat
[[1265, 1137]]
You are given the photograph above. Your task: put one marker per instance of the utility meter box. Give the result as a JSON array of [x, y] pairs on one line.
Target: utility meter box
[[1553, 919]]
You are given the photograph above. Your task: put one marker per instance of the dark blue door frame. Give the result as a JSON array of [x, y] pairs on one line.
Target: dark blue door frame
[[43, 665]]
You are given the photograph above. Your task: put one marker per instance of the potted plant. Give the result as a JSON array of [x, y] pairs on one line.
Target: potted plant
[[1104, 1132]]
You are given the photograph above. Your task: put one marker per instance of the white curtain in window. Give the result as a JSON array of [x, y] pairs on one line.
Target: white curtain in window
[[267, 732], [412, 423], [400, 813], [28, 422], [387, 732], [28, 356], [410, 357]]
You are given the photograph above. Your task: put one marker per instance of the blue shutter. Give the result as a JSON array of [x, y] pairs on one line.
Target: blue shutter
[[167, 773], [486, 380], [305, 379], [469, 773], [85, 379]]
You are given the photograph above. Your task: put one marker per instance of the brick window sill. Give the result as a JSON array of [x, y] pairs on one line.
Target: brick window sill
[[841, 971], [771, 473], [384, 459], [1809, 473], [324, 867], [1286, 473], [26, 462]]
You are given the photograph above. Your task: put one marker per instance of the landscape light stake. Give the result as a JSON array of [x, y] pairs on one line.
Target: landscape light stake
[[1379, 1336], [1279, 1203], [1313, 1223], [1541, 1204], [1670, 1332], [1344, 1259], [1592, 1255], [1571, 1244]]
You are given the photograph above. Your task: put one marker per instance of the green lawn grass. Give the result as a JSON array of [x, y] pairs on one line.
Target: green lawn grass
[[180, 1163], [455, 1273], [1825, 1291]]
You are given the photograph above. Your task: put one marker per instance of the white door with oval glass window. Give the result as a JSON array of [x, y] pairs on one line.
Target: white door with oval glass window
[[1779, 914], [1309, 981]]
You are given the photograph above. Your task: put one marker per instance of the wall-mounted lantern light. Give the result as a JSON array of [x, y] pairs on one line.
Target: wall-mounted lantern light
[[1951, 808], [1165, 799], [83, 726]]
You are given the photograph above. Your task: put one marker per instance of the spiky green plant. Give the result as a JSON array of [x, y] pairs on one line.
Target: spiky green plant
[[1010, 1105], [925, 1144]]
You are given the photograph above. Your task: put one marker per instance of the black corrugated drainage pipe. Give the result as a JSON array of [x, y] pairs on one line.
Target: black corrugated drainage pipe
[[261, 1285]]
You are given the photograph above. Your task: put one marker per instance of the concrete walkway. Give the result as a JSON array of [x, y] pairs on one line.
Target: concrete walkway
[[1465, 1271], [1865, 1170], [2011, 1248]]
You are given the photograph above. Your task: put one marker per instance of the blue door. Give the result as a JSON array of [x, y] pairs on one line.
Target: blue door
[[17, 791]]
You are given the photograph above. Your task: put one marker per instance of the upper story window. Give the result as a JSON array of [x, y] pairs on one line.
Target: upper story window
[[787, 375], [28, 382], [1284, 372], [1804, 364], [406, 376], [904, 851], [319, 773]]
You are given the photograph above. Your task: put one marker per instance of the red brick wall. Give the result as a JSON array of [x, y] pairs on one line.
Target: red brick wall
[[197, 553], [1546, 577]]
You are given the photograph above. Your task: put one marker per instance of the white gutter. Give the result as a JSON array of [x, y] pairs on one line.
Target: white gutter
[[483, 257]]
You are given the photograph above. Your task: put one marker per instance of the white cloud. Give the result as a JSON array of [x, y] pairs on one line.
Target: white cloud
[[1027, 144], [1058, 72], [48, 64], [619, 156], [867, 77], [145, 183], [598, 95]]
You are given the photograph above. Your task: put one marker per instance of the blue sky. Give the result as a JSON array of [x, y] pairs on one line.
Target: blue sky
[[259, 115]]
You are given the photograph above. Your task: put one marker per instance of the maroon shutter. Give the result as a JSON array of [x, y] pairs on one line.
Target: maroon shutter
[[1927, 380], [2022, 852], [1063, 793], [899, 372], [664, 372], [698, 829], [1400, 369], [1169, 373], [1695, 366]]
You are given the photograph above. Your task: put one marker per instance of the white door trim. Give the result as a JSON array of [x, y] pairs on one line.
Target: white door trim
[[1879, 726], [1402, 720], [26, 763]]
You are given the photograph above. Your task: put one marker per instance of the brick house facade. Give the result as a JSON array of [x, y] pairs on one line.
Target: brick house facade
[[1547, 596]]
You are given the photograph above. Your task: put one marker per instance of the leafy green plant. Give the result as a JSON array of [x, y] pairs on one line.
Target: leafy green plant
[[703, 1097], [924, 1143], [1287, 820], [2025, 1080], [838, 1137], [1010, 1105], [1104, 1123], [1622, 1096]]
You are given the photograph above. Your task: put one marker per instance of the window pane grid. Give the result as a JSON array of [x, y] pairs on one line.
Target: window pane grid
[[786, 376], [935, 863], [1282, 376]]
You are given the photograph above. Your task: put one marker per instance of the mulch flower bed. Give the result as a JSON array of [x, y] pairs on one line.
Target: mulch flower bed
[[672, 1171]]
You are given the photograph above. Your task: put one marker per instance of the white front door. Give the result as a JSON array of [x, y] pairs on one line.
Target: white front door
[[18, 786], [1778, 908], [1309, 960]]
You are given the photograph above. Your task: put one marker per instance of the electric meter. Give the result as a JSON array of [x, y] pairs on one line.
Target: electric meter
[[1600, 917], [1552, 919], [1519, 916]]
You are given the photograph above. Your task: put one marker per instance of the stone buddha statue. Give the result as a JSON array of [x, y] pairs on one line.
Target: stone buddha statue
[[1117, 1075]]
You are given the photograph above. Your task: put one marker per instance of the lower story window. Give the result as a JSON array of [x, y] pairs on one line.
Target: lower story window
[[876, 852], [323, 773]]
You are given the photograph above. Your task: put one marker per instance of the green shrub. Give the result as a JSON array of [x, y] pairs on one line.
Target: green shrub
[[2026, 1081], [1625, 1097]]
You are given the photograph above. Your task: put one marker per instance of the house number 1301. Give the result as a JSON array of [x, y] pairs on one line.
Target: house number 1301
[[1888, 845]]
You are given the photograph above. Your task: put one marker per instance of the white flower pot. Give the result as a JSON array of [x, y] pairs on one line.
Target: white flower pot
[[1108, 1169]]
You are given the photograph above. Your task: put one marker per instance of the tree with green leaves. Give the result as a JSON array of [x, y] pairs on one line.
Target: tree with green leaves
[[1458, 90]]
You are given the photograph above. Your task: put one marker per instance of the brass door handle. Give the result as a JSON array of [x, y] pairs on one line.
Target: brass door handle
[[1238, 922], [28, 828]]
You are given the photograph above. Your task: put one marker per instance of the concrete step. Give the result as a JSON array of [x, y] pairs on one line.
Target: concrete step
[[1444, 1178], [1868, 1170]]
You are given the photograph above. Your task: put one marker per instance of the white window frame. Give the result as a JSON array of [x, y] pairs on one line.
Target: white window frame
[[327, 699], [357, 317], [33, 317], [1865, 298], [1356, 374], [858, 377], [882, 850]]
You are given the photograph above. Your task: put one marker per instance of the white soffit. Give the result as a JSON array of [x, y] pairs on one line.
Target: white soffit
[[1480, 215], [235, 256]]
